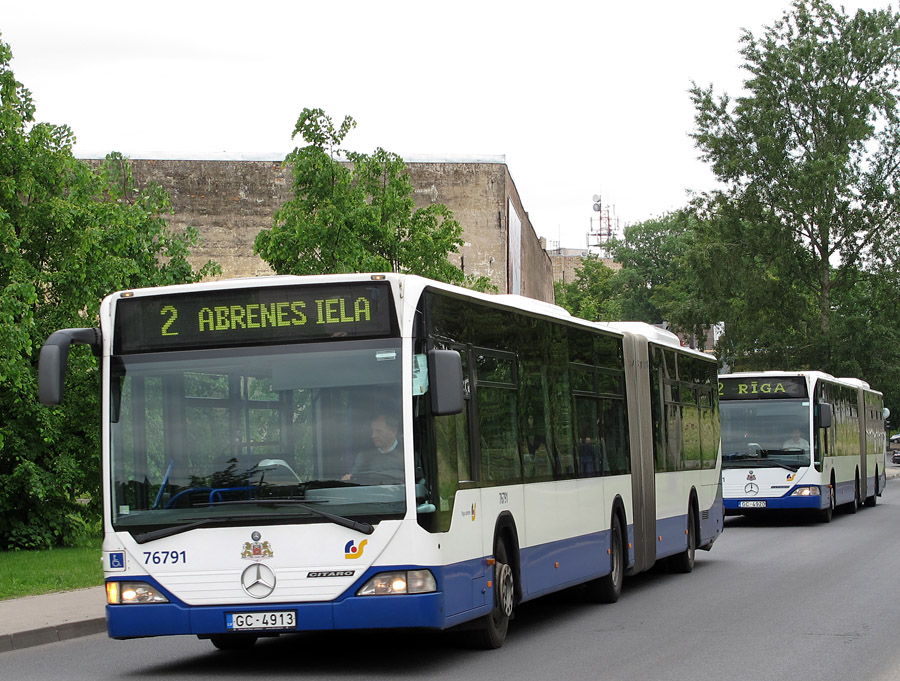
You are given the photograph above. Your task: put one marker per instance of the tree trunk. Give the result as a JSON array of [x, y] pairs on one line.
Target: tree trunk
[[825, 316]]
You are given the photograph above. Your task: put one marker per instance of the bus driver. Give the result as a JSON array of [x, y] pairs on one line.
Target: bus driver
[[796, 441], [383, 463]]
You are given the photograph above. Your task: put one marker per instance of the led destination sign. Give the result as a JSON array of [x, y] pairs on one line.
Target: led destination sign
[[251, 316], [760, 388]]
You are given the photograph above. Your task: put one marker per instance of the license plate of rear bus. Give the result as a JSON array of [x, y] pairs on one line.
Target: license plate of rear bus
[[758, 503], [247, 621]]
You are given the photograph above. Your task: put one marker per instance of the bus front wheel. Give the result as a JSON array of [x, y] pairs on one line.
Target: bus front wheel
[[490, 632], [826, 513]]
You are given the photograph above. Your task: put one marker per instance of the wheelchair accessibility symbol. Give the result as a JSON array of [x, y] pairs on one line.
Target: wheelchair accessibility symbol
[[116, 560]]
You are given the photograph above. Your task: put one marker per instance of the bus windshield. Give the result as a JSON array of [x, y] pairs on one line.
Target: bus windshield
[[765, 433], [281, 434]]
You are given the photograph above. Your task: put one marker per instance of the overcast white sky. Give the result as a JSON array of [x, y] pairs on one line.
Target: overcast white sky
[[581, 98]]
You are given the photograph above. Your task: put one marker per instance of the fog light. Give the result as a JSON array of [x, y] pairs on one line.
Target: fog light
[[806, 492], [128, 593], [399, 582]]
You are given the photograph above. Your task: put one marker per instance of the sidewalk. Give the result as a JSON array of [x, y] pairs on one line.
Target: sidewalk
[[36, 620]]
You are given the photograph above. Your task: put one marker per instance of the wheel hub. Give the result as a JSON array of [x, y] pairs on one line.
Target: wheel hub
[[505, 590]]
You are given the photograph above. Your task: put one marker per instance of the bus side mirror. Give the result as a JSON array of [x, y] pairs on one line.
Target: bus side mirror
[[824, 415], [445, 378], [55, 358]]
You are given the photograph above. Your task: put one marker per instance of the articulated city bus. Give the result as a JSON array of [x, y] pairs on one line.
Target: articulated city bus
[[287, 454], [800, 440]]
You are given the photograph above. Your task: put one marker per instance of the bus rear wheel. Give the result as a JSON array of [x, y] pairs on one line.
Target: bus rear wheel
[[684, 562], [853, 506], [607, 589], [490, 632], [873, 500]]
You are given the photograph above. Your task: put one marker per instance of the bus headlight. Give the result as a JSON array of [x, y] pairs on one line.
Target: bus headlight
[[806, 492], [399, 582], [127, 593]]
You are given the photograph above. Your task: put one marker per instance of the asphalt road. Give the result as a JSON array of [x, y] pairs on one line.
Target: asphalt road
[[780, 599]]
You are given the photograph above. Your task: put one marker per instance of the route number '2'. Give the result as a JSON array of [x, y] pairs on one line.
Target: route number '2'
[[173, 315]]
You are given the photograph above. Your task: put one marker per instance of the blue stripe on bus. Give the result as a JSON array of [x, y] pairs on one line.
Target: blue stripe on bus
[[345, 612], [557, 565], [788, 502], [462, 593]]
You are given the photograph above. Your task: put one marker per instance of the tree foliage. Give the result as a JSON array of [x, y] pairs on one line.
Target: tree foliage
[[655, 283], [68, 236], [592, 294], [356, 215], [809, 160]]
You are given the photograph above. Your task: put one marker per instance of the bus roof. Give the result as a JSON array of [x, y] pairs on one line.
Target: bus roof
[[808, 374], [413, 285]]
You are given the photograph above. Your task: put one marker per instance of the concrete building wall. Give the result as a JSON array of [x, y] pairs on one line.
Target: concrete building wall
[[537, 277], [475, 192], [230, 201], [567, 261]]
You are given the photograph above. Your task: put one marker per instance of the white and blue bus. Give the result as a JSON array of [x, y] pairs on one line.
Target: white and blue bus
[[800, 440], [520, 451]]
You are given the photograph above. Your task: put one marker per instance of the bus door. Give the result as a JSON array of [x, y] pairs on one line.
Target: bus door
[[643, 475]]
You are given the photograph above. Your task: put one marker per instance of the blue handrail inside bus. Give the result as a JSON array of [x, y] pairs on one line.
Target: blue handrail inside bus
[[162, 487]]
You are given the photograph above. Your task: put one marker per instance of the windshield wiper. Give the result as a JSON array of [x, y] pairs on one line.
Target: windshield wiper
[[365, 528], [785, 466], [741, 461], [144, 537]]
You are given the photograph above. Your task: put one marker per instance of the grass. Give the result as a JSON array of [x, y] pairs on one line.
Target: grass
[[30, 573]]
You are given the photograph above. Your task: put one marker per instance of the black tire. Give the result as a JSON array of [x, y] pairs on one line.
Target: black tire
[[873, 500], [233, 641], [853, 506], [608, 588], [684, 562], [490, 630], [826, 513]]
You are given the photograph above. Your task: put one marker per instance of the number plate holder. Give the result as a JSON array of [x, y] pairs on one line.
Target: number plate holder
[[256, 621]]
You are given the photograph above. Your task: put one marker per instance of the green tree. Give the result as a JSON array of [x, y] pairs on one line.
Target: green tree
[[865, 336], [592, 294], [743, 267], [356, 215], [657, 282], [809, 160], [68, 236]]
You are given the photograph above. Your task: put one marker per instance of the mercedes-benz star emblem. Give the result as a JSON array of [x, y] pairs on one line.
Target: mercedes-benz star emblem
[[752, 489], [258, 580]]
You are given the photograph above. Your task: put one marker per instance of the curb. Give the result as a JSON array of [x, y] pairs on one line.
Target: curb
[[62, 632]]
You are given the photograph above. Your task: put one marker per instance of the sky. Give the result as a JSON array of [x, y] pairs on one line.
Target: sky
[[580, 99]]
